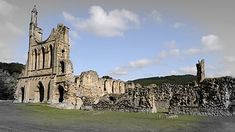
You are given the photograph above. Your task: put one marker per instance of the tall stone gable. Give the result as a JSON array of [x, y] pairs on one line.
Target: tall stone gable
[[48, 73]]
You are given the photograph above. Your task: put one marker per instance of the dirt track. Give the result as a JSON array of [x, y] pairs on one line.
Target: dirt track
[[14, 119]]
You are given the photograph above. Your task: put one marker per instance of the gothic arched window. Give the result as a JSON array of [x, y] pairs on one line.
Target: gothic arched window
[[43, 57], [35, 59]]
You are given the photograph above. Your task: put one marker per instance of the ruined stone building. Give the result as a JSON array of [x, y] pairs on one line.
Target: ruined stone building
[[48, 78], [48, 74]]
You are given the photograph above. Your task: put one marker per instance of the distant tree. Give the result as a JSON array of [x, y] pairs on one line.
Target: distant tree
[[7, 85], [174, 79], [9, 73], [12, 67], [107, 77]]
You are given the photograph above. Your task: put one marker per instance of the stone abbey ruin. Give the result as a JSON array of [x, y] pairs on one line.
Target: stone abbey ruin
[[48, 78]]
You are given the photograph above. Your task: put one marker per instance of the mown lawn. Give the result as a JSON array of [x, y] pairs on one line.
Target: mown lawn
[[108, 119]]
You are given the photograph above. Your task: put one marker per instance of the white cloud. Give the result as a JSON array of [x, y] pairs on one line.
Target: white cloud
[[211, 42], [13, 28], [184, 70], [69, 17], [174, 52], [172, 48], [156, 16], [188, 70], [162, 54], [1, 45], [173, 72], [178, 25], [6, 8], [140, 63], [119, 71], [10, 33], [74, 34], [192, 51], [229, 59], [171, 44], [105, 23]]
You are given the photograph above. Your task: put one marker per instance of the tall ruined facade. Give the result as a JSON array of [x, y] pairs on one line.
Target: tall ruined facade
[[48, 70], [48, 74]]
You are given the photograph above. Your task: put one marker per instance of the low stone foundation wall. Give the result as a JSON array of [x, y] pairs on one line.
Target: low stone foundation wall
[[134, 100], [212, 96], [199, 111]]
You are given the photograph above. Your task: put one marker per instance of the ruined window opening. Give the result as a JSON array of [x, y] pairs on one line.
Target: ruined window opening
[[22, 94], [43, 57], [61, 93], [51, 56], [41, 92], [113, 87], [112, 98], [48, 92], [231, 109], [62, 67], [63, 51], [35, 63], [105, 89]]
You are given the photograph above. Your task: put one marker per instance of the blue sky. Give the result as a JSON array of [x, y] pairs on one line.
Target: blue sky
[[126, 43]]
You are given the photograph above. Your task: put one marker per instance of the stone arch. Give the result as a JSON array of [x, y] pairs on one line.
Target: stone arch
[[22, 90], [50, 56], [61, 93], [41, 91], [43, 57]]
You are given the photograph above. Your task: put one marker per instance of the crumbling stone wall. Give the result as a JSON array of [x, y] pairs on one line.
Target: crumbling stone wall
[[212, 96], [90, 85], [134, 100]]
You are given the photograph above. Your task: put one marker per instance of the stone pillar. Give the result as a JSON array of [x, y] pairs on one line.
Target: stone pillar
[[52, 93], [26, 91], [200, 70]]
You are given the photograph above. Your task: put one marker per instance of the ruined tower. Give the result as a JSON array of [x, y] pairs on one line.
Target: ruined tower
[[200, 70], [48, 71]]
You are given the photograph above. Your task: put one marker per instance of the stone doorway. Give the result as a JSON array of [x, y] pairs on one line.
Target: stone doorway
[[61, 93], [22, 94], [41, 92]]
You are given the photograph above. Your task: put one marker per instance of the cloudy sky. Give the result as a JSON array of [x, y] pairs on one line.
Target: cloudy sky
[[129, 39]]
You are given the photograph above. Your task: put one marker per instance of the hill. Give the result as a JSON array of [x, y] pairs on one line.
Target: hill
[[173, 79], [9, 72], [11, 67]]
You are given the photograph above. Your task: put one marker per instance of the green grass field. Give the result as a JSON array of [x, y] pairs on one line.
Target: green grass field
[[123, 120]]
